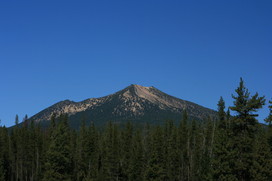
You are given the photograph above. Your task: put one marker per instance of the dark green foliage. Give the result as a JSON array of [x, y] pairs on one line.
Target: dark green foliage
[[136, 166], [269, 121], [244, 104], [189, 151], [126, 152], [109, 158], [206, 150], [261, 168], [171, 151], [183, 147], [155, 167], [4, 157], [81, 155], [244, 128], [221, 111], [86, 159], [269, 118], [223, 161], [237, 147], [58, 165]]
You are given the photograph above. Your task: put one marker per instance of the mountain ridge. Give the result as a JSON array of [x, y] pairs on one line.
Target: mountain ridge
[[135, 102]]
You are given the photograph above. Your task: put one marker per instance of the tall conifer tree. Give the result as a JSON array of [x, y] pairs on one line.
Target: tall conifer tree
[[183, 146], [222, 161], [244, 128], [137, 162], [58, 164], [155, 169], [268, 120]]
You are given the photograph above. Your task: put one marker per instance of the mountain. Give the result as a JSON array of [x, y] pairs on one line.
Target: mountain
[[134, 103]]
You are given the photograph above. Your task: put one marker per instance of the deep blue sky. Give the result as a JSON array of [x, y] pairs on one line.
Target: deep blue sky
[[194, 50]]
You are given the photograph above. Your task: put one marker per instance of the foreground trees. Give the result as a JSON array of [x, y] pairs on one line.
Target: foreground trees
[[242, 151], [223, 148], [244, 128]]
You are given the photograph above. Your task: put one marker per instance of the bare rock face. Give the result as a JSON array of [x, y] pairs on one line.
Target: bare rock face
[[133, 103]]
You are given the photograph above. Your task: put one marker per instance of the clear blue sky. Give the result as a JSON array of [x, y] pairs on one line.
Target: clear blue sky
[[194, 50]]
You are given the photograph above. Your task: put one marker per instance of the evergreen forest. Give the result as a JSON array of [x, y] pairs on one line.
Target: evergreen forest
[[232, 147]]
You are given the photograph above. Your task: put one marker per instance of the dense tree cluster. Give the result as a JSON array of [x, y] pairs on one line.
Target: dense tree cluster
[[233, 147]]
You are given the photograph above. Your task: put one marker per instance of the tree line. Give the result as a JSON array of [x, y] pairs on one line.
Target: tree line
[[230, 147]]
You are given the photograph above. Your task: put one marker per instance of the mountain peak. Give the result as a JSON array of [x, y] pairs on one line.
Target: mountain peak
[[137, 86], [137, 90], [152, 95], [135, 102]]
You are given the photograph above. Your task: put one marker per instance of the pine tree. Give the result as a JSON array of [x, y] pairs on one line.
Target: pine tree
[[155, 170], [228, 117], [171, 152], [222, 161], [38, 139], [206, 146], [221, 112], [193, 151], [92, 146], [183, 147], [109, 162], [245, 106], [58, 164], [26, 150], [268, 120], [81, 167], [147, 140], [244, 128], [127, 135], [16, 119], [4, 154], [25, 121], [13, 152], [261, 169], [137, 161]]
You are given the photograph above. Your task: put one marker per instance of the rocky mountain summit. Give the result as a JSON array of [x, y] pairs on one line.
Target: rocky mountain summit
[[134, 103]]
